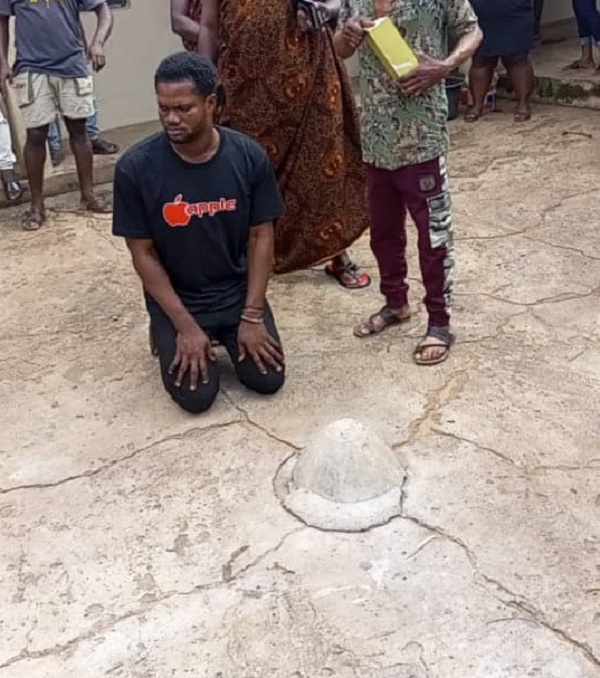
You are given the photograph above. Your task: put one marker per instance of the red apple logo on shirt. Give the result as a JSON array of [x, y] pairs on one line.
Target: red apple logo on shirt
[[177, 213]]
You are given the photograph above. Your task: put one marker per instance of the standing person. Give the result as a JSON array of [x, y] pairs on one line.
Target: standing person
[[538, 10], [196, 205], [51, 74], [13, 191], [100, 145], [405, 140], [507, 27], [185, 22], [588, 26], [286, 88]]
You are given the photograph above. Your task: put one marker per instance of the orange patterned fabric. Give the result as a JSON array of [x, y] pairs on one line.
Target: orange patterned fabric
[[194, 11], [290, 92]]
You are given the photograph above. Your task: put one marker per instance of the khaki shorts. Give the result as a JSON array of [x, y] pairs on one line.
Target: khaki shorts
[[41, 97]]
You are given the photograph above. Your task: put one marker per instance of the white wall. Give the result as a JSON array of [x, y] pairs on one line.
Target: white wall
[[141, 38]]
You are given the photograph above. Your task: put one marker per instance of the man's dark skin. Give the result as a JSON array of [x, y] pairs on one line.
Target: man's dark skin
[[187, 118], [429, 72], [35, 145], [181, 24]]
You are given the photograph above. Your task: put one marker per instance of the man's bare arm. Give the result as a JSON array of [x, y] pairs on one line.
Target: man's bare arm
[[464, 49], [208, 38], [261, 251], [181, 24], [157, 283], [104, 24]]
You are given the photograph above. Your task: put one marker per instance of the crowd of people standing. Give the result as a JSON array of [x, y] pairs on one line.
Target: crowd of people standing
[[263, 141]]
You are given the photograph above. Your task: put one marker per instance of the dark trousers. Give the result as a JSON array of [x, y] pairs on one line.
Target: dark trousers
[[538, 8], [588, 21], [200, 400], [422, 191]]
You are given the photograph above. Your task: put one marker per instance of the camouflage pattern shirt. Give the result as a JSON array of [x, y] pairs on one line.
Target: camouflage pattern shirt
[[398, 131]]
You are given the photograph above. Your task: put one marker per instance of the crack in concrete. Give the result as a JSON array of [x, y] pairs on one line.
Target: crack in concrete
[[251, 423], [103, 626], [591, 465], [115, 462], [436, 400], [516, 601], [556, 299], [567, 248]]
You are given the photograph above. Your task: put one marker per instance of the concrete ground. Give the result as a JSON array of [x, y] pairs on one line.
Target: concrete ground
[[140, 542]]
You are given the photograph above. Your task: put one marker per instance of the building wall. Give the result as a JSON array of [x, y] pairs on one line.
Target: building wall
[[141, 38]]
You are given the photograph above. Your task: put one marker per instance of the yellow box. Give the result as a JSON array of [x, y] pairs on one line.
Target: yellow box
[[391, 48]]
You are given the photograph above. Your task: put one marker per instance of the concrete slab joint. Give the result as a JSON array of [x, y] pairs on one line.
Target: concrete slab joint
[[346, 479]]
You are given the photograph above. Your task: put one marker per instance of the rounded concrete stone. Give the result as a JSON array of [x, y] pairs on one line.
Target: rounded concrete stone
[[346, 479]]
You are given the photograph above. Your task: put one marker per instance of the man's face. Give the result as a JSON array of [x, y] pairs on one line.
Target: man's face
[[184, 113]]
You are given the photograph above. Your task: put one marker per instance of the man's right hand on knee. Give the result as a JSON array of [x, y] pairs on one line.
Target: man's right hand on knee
[[193, 353]]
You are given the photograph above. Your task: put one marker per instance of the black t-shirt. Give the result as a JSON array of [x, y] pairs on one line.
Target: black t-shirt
[[198, 215]]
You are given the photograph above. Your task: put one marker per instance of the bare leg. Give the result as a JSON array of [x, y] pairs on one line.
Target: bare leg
[[35, 159], [480, 79], [84, 161], [520, 72]]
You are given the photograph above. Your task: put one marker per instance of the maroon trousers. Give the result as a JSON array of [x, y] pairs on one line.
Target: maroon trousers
[[421, 191]]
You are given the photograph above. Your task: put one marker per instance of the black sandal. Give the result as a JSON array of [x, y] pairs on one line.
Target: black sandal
[[445, 341], [368, 328]]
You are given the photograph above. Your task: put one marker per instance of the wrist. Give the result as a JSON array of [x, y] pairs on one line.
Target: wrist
[[185, 324], [449, 65]]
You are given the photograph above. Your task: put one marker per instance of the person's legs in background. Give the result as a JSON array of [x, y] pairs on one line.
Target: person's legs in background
[[588, 27], [429, 205], [55, 142], [11, 185], [481, 74], [387, 212], [38, 106], [100, 146], [76, 98], [538, 8], [520, 72]]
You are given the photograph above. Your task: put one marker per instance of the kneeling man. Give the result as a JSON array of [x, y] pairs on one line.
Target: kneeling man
[[196, 205]]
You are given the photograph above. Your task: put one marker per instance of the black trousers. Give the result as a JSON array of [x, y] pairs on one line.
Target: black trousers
[[538, 8], [200, 400]]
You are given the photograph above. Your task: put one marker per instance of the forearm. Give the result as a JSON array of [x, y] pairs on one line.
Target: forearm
[[104, 26], [465, 48], [260, 261], [158, 285], [185, 28], [208, 43], [4, 39]]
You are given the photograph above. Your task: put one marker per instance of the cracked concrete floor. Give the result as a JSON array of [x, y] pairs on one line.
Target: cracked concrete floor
[[140, 542]]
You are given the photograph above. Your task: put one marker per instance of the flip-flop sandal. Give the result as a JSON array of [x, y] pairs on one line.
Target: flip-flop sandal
[[349, 275], [522, 116], [444, 336], [369, 328], [12, 190], [98, 206], [33, 220], [473, 116]]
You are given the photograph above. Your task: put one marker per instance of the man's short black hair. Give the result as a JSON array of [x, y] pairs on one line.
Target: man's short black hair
[[188, 67]]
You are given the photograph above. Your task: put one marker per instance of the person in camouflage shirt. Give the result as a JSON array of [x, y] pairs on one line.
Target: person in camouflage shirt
[[405, 140]]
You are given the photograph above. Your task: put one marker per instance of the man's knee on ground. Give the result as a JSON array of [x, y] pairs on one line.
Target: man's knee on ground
[[264, 384], [195, 402]]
